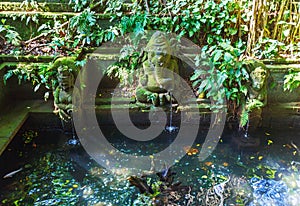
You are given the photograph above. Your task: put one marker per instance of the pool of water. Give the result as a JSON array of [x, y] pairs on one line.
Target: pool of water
[[51, 172]]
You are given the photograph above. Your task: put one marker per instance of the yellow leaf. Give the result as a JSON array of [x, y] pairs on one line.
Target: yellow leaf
[[252, 157], [268, 134], [260, 157], [198, 145], [270, 141]]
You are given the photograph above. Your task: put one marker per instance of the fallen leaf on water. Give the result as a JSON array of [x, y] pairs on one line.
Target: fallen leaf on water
[[269, 141], [268, 134], [190, 151], [252, 157], [208, 163], [225, 164], [260, 157]]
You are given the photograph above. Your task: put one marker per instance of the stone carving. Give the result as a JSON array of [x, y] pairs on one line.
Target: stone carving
[[257, 89], [66, 73], [258, 86], [156, 77], [252, 106]]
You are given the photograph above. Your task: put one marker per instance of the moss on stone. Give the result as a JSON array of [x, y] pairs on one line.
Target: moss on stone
[[70, 62], [44, 7], [26, 58]]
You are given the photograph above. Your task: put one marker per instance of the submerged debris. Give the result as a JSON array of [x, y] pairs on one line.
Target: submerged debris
[[163, 191], [215, 195], [268, 192]]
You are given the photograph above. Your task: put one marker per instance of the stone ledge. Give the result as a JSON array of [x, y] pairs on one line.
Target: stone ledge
[[26, 58], [44, 6], [13, 117]]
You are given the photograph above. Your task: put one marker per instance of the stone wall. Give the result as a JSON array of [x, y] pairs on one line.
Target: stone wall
[[3, 90], [278, 70]]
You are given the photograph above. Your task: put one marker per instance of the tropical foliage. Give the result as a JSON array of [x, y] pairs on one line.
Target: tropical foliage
[[227, 31]]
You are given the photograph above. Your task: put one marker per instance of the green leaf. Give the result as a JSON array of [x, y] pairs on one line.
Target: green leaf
[[244, 118], [36, 87], [227, 57], [191, 33], [217, 55], [244, 90], [232, 31], [286, 32]]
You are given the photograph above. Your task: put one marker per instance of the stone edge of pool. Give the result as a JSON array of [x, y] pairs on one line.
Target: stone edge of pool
[[12, 119]]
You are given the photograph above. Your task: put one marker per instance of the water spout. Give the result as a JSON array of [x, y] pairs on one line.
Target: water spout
[[73, 141], [246, 131], [171, 128]]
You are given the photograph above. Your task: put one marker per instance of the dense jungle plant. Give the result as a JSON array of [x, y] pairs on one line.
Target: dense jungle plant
[[227, 31]]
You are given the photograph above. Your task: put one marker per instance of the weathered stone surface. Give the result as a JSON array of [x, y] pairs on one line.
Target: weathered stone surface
[[156, 77], [63, 94]]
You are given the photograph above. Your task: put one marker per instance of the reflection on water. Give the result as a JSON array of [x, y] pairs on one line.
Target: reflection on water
[[55, 173]]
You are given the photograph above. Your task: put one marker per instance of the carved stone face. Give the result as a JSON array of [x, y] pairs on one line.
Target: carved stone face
[[160, 56], [65, 77], [258, 77], [159, 50]]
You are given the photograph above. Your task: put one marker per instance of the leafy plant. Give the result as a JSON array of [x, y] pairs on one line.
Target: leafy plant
[[79, 5], [83, 25], [267, 48], [37, 74], [291, 81], [126, 66], [210, 81], [249, 106], [226, 76], [8, 34], [30, 5]]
